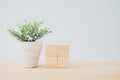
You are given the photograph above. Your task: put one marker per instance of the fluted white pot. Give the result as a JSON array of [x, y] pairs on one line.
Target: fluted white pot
[[30, 52]]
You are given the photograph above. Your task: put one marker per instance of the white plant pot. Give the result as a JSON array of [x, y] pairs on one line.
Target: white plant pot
[[30, 52]]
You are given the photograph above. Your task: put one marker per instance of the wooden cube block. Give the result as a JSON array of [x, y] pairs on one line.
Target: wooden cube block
[[57, 56], [51, 62], [51, 50], [63, 62], [63, 50]]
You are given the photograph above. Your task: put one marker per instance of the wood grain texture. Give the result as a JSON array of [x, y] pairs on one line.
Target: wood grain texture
[[78, 70], [51, 50], [51, 62], [57, 56]]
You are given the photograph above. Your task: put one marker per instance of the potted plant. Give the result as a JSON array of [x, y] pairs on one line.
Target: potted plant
[[29, 35]]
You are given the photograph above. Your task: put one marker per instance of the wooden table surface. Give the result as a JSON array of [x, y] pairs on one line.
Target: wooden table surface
[[79, 70]]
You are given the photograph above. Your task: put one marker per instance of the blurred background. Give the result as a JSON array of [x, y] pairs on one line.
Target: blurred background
[[90, 27]]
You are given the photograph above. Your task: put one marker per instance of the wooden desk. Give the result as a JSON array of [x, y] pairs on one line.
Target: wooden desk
[[79, 70]]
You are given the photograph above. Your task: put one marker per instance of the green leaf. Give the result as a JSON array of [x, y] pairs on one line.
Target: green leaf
[[29, 31]]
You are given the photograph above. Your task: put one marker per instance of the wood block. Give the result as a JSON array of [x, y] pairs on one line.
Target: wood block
[[51, 50], [51, 62], [63, 50], [63, 62]]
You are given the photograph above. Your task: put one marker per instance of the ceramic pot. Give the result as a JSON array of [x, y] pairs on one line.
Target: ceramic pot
[[30, 52]]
